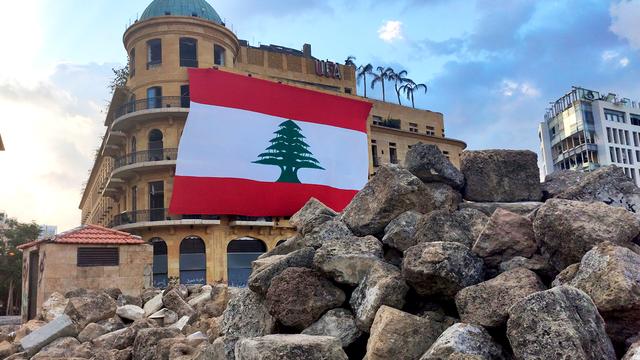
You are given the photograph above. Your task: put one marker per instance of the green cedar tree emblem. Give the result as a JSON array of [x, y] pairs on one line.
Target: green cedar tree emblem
[[289, 152]]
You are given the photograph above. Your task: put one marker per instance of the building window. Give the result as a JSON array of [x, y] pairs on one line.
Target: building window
[[413, 127], [635, 120], [193, 262], [160, 263], [185, 96], [618, 157], [614, 116], [188, 52], [612, 154], [393, 153], [621, 134], [626, 138], [240, 254], [218, 55], [156, 201], [134, 200], [347, 90], [431, 131], [132, 63], [374, 154], [615, 136], [609, 134], [155, 145], [629, 156], [154, 53], [635, 138], [377, 120], [154, 97], [88, 257]]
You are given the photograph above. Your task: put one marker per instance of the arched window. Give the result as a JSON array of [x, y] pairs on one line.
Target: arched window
[[160, 267], [218, 55], [188, 52], [154, 97], [240, 254], [156, 145], [193, 261], [134, 149]]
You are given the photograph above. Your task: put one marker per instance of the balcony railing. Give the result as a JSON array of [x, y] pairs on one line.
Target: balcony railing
[[151, 215], [146, 156], [390, 123], [158, 102]]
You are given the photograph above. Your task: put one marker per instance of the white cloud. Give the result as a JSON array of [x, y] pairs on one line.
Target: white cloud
[[624, 62], [391, 31], [511, 88], [625, 15], [609, 56]]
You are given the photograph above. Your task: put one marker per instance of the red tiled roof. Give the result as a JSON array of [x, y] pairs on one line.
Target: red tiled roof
[[90, 235]]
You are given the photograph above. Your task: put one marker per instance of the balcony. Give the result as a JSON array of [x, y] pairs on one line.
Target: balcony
[[159, 217], [150, 108], [147, 156], [389, 123], [252, 221]]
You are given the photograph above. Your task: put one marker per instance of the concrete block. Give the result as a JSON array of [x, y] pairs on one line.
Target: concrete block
[[62, 326], [153, 305]]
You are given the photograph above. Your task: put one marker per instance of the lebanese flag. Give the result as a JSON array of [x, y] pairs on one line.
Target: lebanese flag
[[254, 147]]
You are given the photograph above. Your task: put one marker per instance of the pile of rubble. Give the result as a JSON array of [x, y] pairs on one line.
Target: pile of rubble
[[427, 262]]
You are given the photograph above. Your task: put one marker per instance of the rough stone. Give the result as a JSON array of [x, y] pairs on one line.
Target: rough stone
[[113, 292], [558, 323], [505, 236], [441, 269], [78, 292], [181, 323], [164, 347], [290, 347], [633, 353], [153, 305], [219, 300], [311, 215], [59, 348], [399, 335], [566, 275], [223, 348], [148, 294], [338, 323], [29, 327], [501, 175], [112, 324], [203, 296], [123, 338], [610, 275], [90, 308], [172, 300], [54, 306], [196, 338], [488, 303], [144, 345], [7, 349], [129, 300], [260, 280], [536, 263], [299, 296], [62, 326], [559, 181], [260, 263], [465, 340], [608, 184], [330, 230], [130, 312], [247, 316], [391, 192], [91, 331], [429, 164], [462, 227], [383, 285], [348, 260], [565, 230], [400, 233], [488, 208]]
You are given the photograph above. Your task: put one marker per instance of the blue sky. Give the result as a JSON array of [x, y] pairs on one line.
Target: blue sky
[[492, 67]]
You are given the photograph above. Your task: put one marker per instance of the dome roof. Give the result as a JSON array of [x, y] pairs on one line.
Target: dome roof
[[195, 8]]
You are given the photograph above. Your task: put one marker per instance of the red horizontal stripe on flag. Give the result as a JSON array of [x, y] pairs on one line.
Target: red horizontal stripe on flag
[[220, 88], [226, 196]]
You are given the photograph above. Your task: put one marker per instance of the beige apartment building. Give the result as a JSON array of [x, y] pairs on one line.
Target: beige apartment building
[[131, 181]]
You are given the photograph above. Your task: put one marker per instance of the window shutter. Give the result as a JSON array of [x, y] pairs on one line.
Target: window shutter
[[98, 257]]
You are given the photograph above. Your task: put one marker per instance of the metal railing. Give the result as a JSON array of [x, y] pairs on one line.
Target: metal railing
[[158, 102], [252, 218], [151, 215], [146, 156]]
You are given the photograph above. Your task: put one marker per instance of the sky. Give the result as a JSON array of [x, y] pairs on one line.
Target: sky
[[491, 67]]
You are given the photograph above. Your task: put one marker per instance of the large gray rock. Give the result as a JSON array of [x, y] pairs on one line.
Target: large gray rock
[[399, 335], [383, 285], [90, 308], [561, 180], [488, 303], [58, 349], [506, 235], [260, 280], [61, 326], [247, 316], [488, 208], [174, 301], [441, 269], [144, 346], [123, 338], [391, 192], [299, 296], [130, 312], [560, 323], [501, 175], [54, 306], [565, 230], [468, 340], [327, 231], [536, 263], [610, 275], [633, 353], [338, 323], [429, 164], [312, 214], [202, 297], [347, 260], [609, 185], [400, 233], [91, 331], [462, 226], [153, 304], [290, 347]]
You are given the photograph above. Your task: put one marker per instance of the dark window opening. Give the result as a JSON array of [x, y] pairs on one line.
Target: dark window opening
[[156, 201], [393, 154], [347, 90], [156, 145], [132, 63], [218, 55], [193, 262], [154, 53], [154, 97], [374, 155], [160, 263], [240, 254], [185, 96], [188, 52], [88, 257]]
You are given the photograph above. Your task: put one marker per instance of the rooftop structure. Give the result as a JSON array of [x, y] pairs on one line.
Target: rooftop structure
[[194, 8]]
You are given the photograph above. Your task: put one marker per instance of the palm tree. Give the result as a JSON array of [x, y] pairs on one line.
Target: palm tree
[[399, 79], [380, 77], [350, 61], [410, 88], [363, 71]]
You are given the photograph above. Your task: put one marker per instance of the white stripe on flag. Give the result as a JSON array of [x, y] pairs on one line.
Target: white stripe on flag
[[224, 142]]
